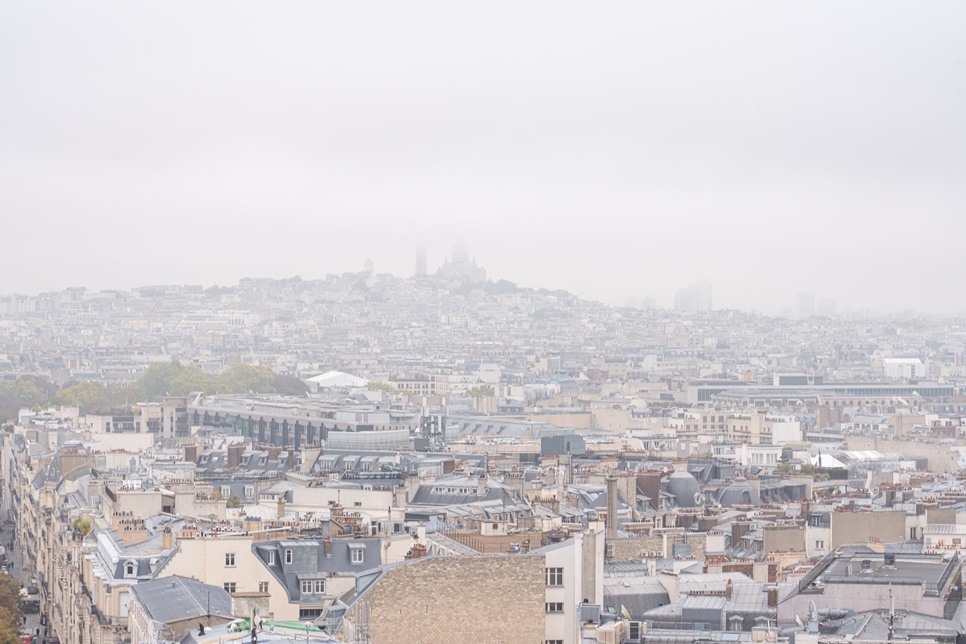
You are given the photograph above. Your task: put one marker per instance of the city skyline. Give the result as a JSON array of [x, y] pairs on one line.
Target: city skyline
[[618, 153], [696, 297]]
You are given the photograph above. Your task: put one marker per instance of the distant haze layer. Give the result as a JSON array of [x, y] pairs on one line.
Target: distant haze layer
[[618, 151]]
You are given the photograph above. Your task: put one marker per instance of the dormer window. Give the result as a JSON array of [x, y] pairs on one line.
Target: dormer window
[[271, 557], [357, 552], [130, 569], [288, 556]]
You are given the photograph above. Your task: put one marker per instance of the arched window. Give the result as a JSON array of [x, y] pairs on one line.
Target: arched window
[[130, 569]]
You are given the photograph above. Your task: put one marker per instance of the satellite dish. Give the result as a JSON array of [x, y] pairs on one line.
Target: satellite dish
[[698, 498]]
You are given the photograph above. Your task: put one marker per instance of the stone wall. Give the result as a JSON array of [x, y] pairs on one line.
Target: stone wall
[[627, 548], [486, 598]]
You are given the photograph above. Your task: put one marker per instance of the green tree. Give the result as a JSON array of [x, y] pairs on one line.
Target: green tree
[[155, 382], [233, 502], [81, 526], [9, 610], [86, 395], [190, 379], [26, 391], [480, 391], [245, 378]]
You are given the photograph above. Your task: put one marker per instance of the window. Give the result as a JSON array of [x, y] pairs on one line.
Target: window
[[230, 586], [271, 557], [288, 556], [230, 559], [555, 576], [820, 544], [308, 614], [554, 607], [357, 555], [263, 586], [306, 587], [130, 569], [319, 587], [225, 491], [553, 641], [249, 492]]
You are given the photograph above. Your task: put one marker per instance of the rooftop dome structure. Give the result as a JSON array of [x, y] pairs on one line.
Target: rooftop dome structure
[[685, 490]]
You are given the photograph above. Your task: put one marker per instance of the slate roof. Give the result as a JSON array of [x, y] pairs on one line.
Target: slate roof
[[176, 598], [309, 560]]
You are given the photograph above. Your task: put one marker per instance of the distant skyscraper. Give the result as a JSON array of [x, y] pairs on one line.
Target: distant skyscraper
[[421, 262], [806, 305], [370, 267], [696, 297]]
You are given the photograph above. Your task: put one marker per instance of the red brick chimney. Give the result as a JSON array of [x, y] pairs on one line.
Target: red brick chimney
[[773, 597]]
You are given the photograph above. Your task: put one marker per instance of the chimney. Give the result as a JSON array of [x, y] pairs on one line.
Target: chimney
[[167, 539], [773, 597], [281, 507], [649, 483], [191, 453], [133, 533], [890, 497], [611, 507], [738, 530], [729, 590], [234, 455], [327, 544]]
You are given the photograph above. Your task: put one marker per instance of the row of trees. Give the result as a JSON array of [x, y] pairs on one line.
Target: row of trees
[[159, 380]]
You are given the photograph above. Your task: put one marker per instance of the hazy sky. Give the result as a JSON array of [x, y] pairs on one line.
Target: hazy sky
[[611, 149]]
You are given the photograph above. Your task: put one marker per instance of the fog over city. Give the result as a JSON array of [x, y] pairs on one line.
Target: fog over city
[[617, 151]]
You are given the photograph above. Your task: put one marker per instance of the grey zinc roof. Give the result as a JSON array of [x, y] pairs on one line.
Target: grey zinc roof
[[310, 562], [175, 598]]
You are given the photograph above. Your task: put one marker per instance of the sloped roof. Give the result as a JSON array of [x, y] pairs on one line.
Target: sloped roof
[[176, 598]]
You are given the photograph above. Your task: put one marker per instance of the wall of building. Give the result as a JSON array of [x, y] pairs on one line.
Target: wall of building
[[487, 598], [863, 527], [784, 538], [941, 458], [627, 548]]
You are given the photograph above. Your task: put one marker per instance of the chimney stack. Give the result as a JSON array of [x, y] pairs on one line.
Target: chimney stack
[[773, 597], [611, 507], [729, 590], [234, 455], [167, 539], [281, 507]]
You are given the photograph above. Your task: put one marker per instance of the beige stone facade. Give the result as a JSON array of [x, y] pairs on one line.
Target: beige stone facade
[[457, 599]]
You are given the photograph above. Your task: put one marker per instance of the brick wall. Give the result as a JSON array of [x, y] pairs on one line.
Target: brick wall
[[486, 598]]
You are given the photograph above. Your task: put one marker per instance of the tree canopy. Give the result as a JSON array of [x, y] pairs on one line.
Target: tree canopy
[[159, 380]]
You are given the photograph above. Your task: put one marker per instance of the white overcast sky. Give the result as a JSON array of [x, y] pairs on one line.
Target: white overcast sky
[[612, 149]]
